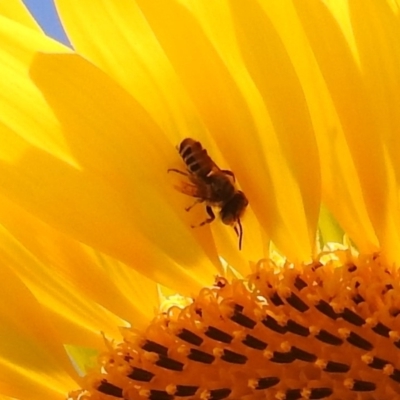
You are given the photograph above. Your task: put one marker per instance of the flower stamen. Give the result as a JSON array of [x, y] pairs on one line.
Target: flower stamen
[[309, 331]]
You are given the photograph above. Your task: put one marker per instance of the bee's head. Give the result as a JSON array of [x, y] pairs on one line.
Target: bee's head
[[234, 208], [232, 211]]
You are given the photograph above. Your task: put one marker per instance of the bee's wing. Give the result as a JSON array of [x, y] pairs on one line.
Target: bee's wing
[[196, 189], [215, 167]]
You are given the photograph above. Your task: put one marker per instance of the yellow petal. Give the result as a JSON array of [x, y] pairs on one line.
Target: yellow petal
[[124, 147], [32, 356], [336, 160], [80, 273], [222, 95], [102, 207], [17, 11], [376, 32], [64, 305], [284, 183], [19, 46], [362, 168], [120, 41]]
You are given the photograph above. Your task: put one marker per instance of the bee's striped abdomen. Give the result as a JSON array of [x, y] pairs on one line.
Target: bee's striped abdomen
[[196, 158]]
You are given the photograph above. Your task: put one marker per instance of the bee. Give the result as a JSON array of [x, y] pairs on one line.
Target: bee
[[211, 185]]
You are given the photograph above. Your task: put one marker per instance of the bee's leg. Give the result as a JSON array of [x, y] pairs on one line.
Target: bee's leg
[[208, 220], [196, 202], [210, 215], [177, 171], [230, 173], [239, 233]]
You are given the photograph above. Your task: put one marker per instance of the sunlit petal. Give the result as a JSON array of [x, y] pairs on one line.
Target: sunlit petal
[[336, 160], [350, 99], [118, 205], [49, 259], [231, 108], [234, 126], [293, 102], [289, 137], [16, 10], [29, 343], [379, 55], [141, 67]]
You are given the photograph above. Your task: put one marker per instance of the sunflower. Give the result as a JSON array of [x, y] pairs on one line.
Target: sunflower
[[107, 291]]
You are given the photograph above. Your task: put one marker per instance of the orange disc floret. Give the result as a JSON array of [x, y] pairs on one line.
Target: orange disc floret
[[325, 330]]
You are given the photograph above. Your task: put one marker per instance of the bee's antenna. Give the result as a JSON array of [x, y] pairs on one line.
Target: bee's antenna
[[239, 232]]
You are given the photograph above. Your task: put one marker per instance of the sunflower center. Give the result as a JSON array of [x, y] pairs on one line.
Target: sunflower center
[[325, 330]]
